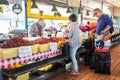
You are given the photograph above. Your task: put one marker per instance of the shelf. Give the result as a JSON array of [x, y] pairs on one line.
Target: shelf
[[30, 67], [43, 75]]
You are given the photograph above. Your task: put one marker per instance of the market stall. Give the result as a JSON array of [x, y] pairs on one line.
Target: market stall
[[12, 57], [21, 57]]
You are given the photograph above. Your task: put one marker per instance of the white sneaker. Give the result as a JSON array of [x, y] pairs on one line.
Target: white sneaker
[[69, 70], [74, 73]]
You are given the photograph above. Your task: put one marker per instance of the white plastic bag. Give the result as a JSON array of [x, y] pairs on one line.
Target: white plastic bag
[[107, 43]]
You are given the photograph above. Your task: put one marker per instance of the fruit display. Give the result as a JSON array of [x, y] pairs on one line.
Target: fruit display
[[47, 40], [19, 41], [16, 42]]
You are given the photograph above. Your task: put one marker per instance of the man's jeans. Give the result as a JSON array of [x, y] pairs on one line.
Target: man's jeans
[[73, 51]]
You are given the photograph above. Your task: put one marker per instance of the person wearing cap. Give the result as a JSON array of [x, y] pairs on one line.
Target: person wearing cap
[[104, 22], [37, 28]]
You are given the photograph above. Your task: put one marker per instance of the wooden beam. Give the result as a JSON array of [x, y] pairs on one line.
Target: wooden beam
[[74, 3], [51, 2]]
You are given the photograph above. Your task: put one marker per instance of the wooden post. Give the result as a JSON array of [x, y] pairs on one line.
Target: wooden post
[[74, 3]]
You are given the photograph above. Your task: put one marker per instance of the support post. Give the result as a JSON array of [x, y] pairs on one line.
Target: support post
[[26, 16]]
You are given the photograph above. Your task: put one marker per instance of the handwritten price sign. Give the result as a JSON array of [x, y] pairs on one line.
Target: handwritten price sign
[[53, 46], [25, 51]]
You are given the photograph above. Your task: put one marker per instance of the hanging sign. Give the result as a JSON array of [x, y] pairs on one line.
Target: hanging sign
[[17, 9]]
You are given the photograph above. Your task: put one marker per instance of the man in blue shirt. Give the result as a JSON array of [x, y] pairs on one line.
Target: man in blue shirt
[[104, 22]]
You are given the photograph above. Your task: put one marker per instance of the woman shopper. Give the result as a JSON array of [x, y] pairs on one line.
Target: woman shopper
[[74, 43]]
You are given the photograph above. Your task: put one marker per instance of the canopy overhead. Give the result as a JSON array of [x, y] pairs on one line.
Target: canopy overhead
[[15, 1]]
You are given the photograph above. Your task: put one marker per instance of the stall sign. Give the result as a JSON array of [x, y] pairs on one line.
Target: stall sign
[[25, 51], [53, 46], [17, 8]]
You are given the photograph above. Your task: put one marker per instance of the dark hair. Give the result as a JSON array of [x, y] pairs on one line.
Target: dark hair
[[73, 18], [88, 22]]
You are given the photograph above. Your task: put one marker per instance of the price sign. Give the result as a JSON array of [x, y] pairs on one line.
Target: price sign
[[25, 51], [53, 46]]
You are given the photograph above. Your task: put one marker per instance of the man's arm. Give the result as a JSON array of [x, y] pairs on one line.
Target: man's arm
[[32, 30], [105, 29], [109, 22]]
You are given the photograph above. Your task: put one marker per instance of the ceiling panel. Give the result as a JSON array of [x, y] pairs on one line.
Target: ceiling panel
[[15, 1]]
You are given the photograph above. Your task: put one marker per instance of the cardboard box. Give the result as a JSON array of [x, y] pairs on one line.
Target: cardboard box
[[44, 47], [22, 77], [13, 52], [45, 68], [9, 53], [35, 48]]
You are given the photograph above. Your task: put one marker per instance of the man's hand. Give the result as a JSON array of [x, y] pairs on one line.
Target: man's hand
[[105, 29], [102, 32]]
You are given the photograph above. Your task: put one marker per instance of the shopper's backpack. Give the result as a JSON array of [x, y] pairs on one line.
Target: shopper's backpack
[[100, 44]]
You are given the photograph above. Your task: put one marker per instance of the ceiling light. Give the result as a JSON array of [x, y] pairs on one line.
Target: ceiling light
[[57, 14], [41, 12], [54, 9], [68, 10], [87, 13], [34, 5], [80, 11], [4, 2]]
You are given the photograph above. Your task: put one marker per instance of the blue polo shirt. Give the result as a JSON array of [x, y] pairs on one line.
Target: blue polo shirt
[[103, 22]]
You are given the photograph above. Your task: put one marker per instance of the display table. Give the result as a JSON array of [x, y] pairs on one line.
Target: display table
[[9, 62], [38, 60]]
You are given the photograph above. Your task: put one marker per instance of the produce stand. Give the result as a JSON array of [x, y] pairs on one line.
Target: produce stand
[[16, 67], [31, 67], [9, 62], [13, 73]]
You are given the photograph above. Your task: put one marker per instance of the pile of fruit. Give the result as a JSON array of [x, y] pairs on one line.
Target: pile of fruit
[[16, 42], [19, 41]]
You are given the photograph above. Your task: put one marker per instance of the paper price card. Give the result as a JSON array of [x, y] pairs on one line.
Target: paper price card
[[53, 46], [25, 51]]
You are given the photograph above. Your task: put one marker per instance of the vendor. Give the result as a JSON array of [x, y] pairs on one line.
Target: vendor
[[37, 28]]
